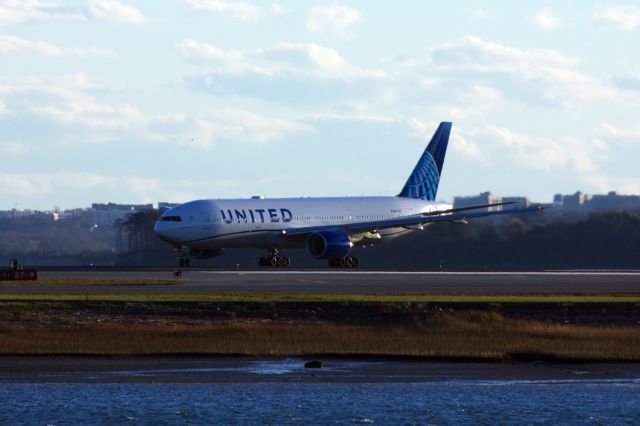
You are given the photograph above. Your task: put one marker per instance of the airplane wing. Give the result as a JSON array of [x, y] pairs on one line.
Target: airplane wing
[[450, 215]]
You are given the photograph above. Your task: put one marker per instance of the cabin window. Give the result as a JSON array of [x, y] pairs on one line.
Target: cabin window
[[171, 219]]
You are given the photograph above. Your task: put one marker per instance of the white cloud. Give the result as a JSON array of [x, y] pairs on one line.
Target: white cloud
[[32, 184], [424, 130], [113, 10], [622, 16], [229, 61], [14, 12], [318, 60], [12, 148], [278, 10], [610, 131], [474, 101], [232, 125], [543, 154], [469, 149], [3, 109], [540, 76], [239, 9], [16, 45], [350, 118], [481, 13], [292, 73], [149, 190], [603, 183], [332, 20], [143, 189], [281, 60], [546, 20], [67, 100], [629, 81], [474, 53], [93, 114]]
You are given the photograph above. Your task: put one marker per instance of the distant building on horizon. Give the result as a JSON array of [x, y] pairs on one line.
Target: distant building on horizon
[[489, 198], [584, 203], [105, 215], [15, 213]]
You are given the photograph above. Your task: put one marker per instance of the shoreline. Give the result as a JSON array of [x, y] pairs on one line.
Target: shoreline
[[213, 369]]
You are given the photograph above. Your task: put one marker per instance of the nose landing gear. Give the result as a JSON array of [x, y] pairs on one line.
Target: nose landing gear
[[274, 260]]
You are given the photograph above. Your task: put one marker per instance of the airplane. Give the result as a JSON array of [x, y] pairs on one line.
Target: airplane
[[327, 227]]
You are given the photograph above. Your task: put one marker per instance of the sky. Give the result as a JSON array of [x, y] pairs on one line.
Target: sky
[[146, 101]]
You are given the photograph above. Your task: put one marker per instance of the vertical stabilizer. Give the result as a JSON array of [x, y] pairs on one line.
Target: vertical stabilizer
[[423, 182]]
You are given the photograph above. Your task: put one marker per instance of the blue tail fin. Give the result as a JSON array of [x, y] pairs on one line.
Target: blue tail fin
[[423, 182]]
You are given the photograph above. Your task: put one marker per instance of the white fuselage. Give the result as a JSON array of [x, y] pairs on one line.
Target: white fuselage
[[235, 223]]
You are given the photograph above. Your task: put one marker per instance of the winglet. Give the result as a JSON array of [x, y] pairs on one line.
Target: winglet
[[423, 181]]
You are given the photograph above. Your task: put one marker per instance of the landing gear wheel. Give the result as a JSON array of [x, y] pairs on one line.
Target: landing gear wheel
[[344, 262], [274, 260]]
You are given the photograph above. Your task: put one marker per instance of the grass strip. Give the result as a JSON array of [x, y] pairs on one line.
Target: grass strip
[[383, 298], [471, 335]]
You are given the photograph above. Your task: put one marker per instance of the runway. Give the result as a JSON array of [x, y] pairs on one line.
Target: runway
[[331, 281]]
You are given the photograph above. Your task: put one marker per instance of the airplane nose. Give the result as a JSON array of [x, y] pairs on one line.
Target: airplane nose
[[161, 230]]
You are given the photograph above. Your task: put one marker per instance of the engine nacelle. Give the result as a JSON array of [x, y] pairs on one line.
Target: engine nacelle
[[328, 244], [205, 253]]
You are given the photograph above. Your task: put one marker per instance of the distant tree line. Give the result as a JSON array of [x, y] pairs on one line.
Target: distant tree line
[[534, 241], [604, 240]]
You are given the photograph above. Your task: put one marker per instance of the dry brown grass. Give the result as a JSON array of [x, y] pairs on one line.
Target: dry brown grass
[[478, 335]]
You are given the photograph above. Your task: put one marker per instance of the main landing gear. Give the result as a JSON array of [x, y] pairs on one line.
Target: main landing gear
[[184, 262], [274, 260], [347, 261]]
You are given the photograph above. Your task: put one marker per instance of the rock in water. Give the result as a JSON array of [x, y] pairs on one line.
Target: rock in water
[[313, 364]]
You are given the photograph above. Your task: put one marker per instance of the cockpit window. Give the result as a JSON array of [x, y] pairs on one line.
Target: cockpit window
[[171, 219]]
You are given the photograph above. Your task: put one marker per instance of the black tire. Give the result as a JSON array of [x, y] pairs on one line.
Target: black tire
[[286, 262], [356, 262], [342, 262], [280, 262], [273, 262], [348, 262]]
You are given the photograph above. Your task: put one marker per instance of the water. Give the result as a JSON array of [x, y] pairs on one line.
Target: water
[[440, 401]]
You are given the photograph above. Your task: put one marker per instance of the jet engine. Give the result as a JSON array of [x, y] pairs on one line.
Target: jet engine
[[329, 244]]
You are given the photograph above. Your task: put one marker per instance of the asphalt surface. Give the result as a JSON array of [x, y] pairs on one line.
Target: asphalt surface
[[331, 281]]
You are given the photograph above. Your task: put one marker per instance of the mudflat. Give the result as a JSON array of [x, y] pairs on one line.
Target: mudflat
[[216, 369]]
